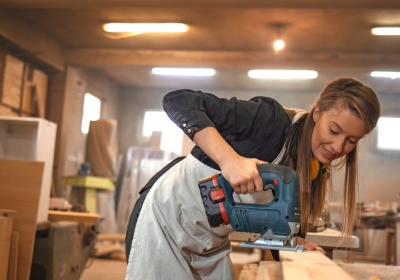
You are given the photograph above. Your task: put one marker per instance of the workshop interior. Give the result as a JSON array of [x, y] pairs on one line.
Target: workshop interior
[[82, 128]]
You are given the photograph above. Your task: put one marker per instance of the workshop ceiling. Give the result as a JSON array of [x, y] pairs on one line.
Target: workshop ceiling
[[330, 36]]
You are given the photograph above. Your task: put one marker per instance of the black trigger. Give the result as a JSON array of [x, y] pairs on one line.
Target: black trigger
[[270, 187]]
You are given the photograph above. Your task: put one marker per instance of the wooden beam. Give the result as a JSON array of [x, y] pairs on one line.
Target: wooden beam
[[305, 4], [235, 59], [34, 42], [310, 265]]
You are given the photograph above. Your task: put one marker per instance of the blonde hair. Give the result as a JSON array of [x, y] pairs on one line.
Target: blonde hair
[[362, 101]]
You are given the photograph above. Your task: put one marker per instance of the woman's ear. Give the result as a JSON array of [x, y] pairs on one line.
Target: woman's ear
[[316, 114]]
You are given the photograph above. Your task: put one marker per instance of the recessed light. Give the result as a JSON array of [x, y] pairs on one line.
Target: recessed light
[[183, 71], [279, 45], [385, 74], [386, 31], [282, 74], [140, 28]]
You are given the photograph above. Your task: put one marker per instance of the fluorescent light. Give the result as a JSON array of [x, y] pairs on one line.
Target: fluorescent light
[[184, 71], [385, 74], [144, 27], [386, 31], [282, 74]]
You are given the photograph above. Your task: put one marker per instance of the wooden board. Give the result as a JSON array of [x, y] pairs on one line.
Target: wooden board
[[310, 265], [13, 260], [371, 271], [79, 217], [20, 186]]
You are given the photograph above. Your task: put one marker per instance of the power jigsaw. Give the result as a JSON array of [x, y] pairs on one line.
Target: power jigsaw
[[277, 222]]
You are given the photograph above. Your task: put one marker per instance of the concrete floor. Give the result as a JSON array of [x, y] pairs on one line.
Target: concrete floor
[[104, 269]]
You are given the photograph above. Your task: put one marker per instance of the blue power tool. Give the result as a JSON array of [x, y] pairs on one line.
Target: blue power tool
[[277, 222]]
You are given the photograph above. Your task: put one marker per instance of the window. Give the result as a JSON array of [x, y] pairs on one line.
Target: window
[[171, 137], [389, 133], [91, 111]]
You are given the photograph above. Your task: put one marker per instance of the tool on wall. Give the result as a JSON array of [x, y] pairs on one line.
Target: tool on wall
[[278, 221]]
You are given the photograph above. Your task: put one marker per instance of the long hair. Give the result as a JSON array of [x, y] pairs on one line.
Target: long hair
[[362, 101]]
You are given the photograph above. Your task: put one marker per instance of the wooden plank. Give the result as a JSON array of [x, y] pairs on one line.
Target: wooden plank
[[111, 237], [310, 265], [107, 249], [249, 272], [40, 80], [269, 270], [20, 186], [55, 216], [371, 271], [13, 260]]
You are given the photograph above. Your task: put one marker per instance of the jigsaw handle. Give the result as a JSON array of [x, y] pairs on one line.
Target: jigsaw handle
[[272, 175]]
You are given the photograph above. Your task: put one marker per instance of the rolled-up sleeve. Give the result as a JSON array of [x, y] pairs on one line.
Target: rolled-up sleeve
[[194, 110]]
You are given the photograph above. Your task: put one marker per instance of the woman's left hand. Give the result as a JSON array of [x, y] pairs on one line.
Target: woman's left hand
[[309, 246]]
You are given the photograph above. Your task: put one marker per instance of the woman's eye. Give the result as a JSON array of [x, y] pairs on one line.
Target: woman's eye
[[351, 141], [333, 132]]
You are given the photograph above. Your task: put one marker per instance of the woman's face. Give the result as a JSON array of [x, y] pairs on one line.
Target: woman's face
[[336, 133]]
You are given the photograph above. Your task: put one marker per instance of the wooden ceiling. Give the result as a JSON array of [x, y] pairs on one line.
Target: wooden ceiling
[[330, 36]]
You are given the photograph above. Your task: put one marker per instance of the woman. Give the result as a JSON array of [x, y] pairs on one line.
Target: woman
[[173, 239]]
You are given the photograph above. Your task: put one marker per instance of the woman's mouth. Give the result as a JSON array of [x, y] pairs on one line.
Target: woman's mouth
[[327, 154]]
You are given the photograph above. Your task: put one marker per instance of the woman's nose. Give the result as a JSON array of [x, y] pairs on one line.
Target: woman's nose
[[338, 145]]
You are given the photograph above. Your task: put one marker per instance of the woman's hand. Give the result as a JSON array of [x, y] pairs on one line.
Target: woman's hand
[[240, 172], [309, 246], [243, 175]]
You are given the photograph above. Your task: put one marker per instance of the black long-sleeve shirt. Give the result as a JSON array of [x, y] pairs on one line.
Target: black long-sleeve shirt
[[255, 129]]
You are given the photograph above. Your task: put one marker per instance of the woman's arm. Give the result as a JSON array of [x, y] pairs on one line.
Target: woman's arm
[[204, 116], [192, 111], [240, 172]]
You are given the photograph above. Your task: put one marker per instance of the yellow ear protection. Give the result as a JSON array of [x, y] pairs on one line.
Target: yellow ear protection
[[314, 168]]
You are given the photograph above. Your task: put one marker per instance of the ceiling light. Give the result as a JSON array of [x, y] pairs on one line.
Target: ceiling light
[[385, 74], [386, 31], [184, 71], [282, 74], [139, 28], [278, 45]]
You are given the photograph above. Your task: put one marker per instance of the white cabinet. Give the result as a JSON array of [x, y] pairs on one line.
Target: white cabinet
[[31, 139]]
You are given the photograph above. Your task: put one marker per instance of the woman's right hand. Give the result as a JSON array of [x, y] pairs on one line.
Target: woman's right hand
[[242, 174]]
